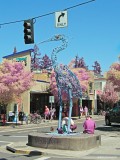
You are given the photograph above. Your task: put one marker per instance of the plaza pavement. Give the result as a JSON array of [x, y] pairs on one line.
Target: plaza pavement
[[109, 149]]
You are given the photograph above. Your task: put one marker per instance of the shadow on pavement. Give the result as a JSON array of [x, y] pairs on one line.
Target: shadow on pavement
[[111, 128], [35, 153]]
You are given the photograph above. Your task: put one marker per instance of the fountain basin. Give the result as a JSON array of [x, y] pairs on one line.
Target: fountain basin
[[73, 141]]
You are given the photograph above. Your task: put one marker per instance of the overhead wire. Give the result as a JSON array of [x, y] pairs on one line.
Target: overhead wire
[[47, 14]]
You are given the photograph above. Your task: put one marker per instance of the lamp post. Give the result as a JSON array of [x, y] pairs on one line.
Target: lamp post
[[79, 105]]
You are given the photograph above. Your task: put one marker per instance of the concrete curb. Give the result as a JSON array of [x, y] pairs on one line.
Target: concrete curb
[[51, 152], [28, 152]]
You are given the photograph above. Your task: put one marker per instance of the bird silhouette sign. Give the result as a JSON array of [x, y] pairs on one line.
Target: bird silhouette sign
[[61, 19]]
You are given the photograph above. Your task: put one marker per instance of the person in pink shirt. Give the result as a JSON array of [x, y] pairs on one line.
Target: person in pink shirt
[[86, 111], [81, 110], [46, 112], [89, 125]]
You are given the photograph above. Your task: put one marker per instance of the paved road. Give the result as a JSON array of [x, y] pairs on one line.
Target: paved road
[[110, 148], [24, 157], [13, 134], [21, 134]]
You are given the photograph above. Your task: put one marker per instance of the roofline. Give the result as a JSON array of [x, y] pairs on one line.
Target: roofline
[[42, 81], [11, 55]]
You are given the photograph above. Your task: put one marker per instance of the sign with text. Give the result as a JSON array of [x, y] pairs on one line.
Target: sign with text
[[22, 59], [61, 19], [51, 99]]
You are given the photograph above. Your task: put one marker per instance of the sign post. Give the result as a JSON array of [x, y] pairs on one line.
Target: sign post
[[51, 100]]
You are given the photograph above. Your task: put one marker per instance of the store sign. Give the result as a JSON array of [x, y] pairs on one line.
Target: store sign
[[23, 59]]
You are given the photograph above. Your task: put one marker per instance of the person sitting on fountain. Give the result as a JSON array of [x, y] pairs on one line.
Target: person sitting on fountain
[[89, 125], [73, 126]]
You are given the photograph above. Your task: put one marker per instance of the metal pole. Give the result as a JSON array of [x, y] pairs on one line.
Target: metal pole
[[60, 109], [51, 109], [16, 114], [70, 110], [79, 108]]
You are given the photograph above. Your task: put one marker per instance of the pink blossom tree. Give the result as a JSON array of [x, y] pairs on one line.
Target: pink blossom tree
[[83, 77], [46, 63], [113, 75], [14, 80], [109, 96]]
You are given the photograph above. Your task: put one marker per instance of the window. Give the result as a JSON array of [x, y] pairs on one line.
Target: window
[[116, 109], [90, 87], [98, 85]]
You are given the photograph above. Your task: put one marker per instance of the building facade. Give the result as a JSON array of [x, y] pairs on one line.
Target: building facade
[[38, 96], [35, 98]]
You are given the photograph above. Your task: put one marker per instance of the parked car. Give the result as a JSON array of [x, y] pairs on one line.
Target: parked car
[[112, 116]]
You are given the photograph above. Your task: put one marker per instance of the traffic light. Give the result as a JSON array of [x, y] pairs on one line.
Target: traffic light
[[28, 31]]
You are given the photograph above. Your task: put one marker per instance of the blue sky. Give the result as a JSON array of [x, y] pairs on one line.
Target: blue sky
[[93, 29]]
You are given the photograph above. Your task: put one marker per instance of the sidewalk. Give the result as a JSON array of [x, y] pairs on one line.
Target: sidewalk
[[48, 122]]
